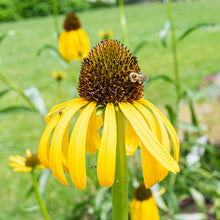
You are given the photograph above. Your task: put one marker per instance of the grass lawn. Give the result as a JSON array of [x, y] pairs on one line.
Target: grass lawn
[[198, 56]]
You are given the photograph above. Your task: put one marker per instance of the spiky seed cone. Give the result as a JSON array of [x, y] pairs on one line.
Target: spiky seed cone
[[142, 193], [32, 161], [71, 22], [104, 76]]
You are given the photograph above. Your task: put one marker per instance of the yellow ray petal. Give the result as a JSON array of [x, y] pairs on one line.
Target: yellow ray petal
[[67, 45], [61, 106], [22, 169], [56, 157], [84, 42], [17, 159], [76, 153], [107, 151], [93, 139], [131, 140], [170, 128], [28, 153], [44, 145], [147, 137], [160, 132], [152, 171]]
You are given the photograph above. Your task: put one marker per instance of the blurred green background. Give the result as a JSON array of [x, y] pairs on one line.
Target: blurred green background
[[198, 57]]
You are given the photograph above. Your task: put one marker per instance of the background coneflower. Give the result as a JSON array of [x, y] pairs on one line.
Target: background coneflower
[[73, 41]]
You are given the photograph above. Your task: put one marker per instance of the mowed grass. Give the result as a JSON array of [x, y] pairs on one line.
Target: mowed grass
[[198, 56]]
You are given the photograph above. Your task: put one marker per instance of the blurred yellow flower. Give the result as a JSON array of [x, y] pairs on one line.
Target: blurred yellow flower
[[105, 34], [74, 43], [59, 75], [27, 164], [111, 86], [144, 206]]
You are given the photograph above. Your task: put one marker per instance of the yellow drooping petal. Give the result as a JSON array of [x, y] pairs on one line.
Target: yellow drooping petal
[[17, 160], [160, 132], [58, 140], [56, 108], [144, 210], [67, 46], [147, 138], [44, 145], [93, 139], [150, 168], [107, 151], [22, 169], [76, 153], [28, 153], [131, 140], [84, 43], [170, 128]]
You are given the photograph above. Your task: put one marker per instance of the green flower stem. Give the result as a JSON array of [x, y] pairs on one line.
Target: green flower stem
[[123, 21], [40, 201], [59, 91], [120, 186], [18, 90], [174, 53], [55, 17]]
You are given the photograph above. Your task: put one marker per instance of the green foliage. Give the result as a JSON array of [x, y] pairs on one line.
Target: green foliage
[[7, 10]]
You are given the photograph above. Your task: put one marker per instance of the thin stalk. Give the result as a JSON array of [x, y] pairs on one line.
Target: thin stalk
[[40, 201], [123, 21], [59, 91], [18, 90], [120, 186], [55, 17], [174, 53]]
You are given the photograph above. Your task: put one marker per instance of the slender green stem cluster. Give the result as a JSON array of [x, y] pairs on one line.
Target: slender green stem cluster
[[55, 16], [120, 187], [39, 199], [123, 21], [174, 53]]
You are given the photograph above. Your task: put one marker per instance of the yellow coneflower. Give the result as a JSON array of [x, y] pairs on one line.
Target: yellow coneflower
[[73, 41], [59, 75], [143, 206], [110, 79], [27, 164], [105, 34]]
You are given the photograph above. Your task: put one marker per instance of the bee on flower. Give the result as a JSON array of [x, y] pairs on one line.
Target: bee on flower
[[74, 43], [106, 82]]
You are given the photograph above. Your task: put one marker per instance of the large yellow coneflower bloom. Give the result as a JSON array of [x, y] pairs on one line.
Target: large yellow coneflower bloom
[[73, 41], [110, 79], [27, 164], [143, 206]]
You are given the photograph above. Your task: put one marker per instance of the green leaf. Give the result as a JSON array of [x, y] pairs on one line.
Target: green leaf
[[53, 51], [2, 37], [15, 109], [4, 92], [35, 97], [194, 28], [42, 182], [159, 78], [171, 113], [140, 46], [198, 198], [194, 216], [164, 32], [191, 128], [192, 111]]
